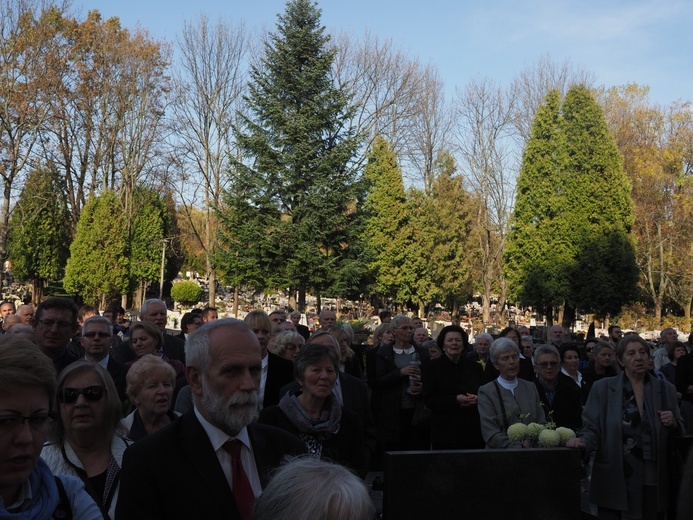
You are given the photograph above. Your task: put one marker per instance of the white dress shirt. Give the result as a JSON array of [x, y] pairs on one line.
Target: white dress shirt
[[218, 438]]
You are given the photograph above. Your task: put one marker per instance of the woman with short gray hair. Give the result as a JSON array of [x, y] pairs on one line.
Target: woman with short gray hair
[[507, 399], [315, 415], [310, 489]]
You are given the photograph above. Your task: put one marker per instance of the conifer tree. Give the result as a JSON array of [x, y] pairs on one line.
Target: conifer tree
[[40, 231], [570, 241], [297, 147]]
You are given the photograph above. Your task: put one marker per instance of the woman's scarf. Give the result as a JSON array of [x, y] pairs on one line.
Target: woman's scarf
[[44, 497], [322, 429]]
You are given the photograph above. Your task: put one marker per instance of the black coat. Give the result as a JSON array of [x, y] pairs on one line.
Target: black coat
[[566, 408], [118, 372], [346, 447], [452, 426], [280, 372], [174, 474], [388, 392], [355, 398]]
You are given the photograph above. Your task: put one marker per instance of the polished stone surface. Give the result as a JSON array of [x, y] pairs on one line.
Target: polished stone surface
[[525, 484]]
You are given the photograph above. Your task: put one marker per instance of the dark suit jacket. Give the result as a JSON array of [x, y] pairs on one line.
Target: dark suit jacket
[[566, 409], [174, 348], [174, 474], [118, 372], [355, 396], [280, 372], [346, 447]]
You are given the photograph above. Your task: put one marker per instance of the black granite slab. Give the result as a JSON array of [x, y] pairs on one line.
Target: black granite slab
[[525, 484]]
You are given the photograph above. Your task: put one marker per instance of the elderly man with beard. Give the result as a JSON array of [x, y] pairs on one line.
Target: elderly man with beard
[[213, 461]]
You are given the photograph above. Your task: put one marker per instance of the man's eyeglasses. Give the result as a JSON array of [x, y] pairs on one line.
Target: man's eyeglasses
[[405, 328], [39, 422], [90, 393], [96, 335], [548, 364], [60, 324]]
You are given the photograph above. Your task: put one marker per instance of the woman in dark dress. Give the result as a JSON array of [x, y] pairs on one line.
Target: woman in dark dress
[[451, 384], [314, 414]]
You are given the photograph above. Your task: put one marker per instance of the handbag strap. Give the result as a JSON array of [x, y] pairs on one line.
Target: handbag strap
[[502, 405]]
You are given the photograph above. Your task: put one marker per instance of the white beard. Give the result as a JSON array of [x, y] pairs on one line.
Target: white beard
[[227, 415]]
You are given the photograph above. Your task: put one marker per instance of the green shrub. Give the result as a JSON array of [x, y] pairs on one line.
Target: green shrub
[[186, 292]]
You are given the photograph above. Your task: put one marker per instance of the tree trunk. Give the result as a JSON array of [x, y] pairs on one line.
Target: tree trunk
[[568, 316], [235, 302], [485, 308], [302, 298], [658, 312]]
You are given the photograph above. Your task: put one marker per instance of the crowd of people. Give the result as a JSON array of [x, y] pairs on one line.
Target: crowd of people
[[262, 418]]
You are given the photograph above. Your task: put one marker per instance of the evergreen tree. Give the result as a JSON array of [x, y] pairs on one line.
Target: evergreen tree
[[451, 219], [570, 237], [98, 266], [40, 231], [388, 222], [145, 243], [537, 255], [604, 275], [297, 148]]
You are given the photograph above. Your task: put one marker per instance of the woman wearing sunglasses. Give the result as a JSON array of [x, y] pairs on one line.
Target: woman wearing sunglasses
[[28, 488], [86, 441]]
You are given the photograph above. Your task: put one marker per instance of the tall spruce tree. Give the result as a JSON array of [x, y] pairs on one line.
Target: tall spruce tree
[[297, 149], [570, 242]]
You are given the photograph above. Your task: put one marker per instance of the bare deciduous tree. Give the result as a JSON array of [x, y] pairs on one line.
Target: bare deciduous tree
[[489, 163], [207, 89]]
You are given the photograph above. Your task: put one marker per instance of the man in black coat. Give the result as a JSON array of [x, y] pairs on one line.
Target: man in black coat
[[185, 470]]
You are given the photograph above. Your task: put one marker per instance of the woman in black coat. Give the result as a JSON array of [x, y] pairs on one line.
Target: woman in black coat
[[451, 383]]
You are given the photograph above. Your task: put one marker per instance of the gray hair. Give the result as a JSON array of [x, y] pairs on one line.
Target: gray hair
[[197, 343], [307, 489], [98, 319], [312, 353], [147, 303], [324, 333], [294, 314], [399, 320], [666, 331], [484, 335], [349, 332], [602, 344], [141, 369], [501, 346], [286, 337], [545, 349]]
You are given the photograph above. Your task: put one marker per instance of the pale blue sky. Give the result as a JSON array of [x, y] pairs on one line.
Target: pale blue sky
[[649, 42]]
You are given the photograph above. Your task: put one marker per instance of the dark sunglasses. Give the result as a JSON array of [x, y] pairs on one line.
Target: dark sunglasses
[[90, 393]]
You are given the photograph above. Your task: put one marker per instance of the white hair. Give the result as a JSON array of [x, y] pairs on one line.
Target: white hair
[[308, 489]]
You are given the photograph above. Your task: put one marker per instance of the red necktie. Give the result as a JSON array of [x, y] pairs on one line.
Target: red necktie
[[242, 492]]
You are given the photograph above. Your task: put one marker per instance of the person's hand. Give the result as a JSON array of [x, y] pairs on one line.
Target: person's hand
[[415, 388], [409, 370], [667, 418], [466, 400], [575, 443]]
